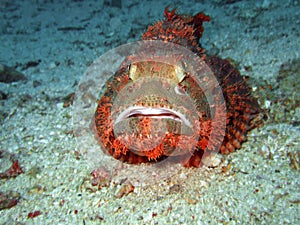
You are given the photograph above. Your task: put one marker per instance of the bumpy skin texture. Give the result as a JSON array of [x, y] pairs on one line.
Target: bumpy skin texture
[[242, 110]]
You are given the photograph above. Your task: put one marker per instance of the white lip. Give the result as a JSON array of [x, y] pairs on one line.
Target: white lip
[[153, 112]]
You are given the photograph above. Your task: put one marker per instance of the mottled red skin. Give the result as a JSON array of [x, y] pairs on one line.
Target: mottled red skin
[[243, 111]]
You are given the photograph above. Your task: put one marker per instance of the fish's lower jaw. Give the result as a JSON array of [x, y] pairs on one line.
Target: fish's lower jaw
[[153, 133]]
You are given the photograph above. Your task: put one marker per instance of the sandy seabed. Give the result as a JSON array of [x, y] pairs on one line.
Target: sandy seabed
[[53, 44]]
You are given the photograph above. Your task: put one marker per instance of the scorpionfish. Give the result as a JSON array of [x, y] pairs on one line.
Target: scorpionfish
[[150, 126]]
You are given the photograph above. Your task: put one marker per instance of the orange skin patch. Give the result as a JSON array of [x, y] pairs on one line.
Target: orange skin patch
[[154, 137]]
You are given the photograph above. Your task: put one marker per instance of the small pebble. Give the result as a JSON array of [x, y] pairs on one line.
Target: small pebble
[[52, 65], [124, 189], [212, 160]]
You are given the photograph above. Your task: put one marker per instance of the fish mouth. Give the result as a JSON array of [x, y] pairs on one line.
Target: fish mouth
[[147, 129], [158, 113]]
